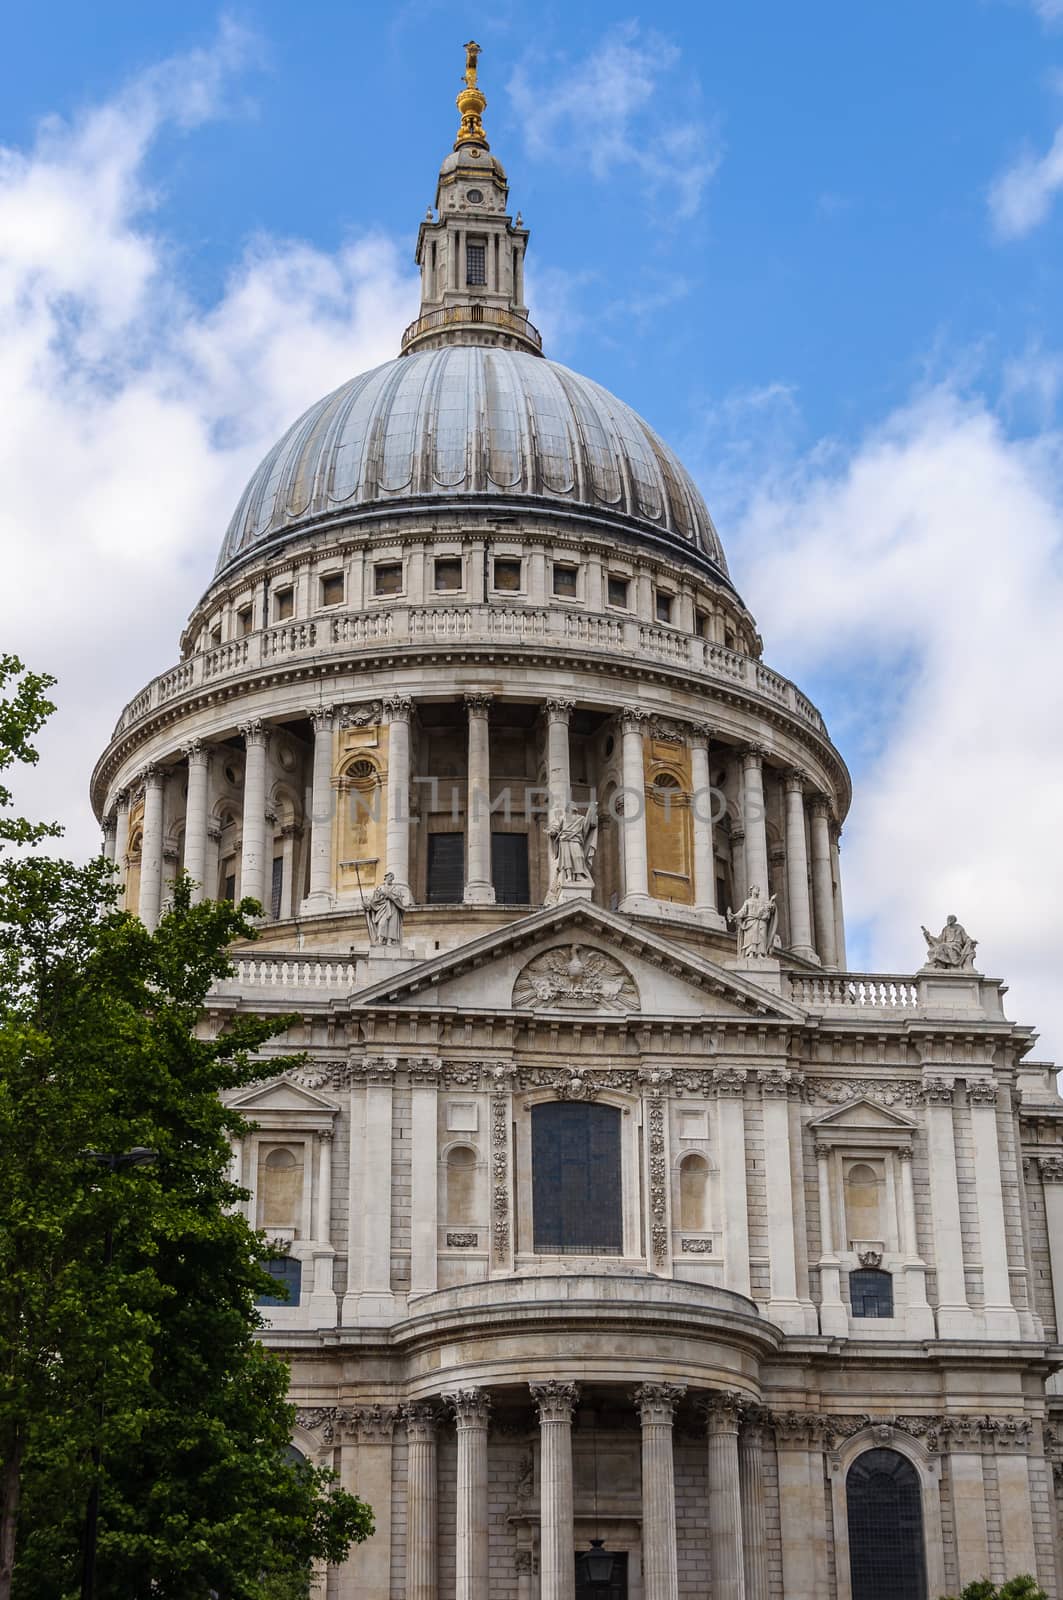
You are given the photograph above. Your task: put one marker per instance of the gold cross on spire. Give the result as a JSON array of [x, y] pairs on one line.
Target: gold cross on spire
[[471, 102]]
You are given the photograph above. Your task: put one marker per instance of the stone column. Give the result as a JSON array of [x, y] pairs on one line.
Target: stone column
[[557, 1555], [398, 711], [701, 813], [121, 837], [753, 819], [797, 868], [784, 1306], [110, 835], [833, 1317], [823, 882], [633, 822], [320, 896], [1001, 1318], [213, 861], [725, 1498], [253, 855], [424, 1176], [839, 904], [558, 765], [953, 1312], [151, 848], [422, 1565], [660, 1559], [291, 833], [196, 809], [738, 863], [479, 889], [730, 1086], [751, 1484], [470, 1408], [1050, 1168]]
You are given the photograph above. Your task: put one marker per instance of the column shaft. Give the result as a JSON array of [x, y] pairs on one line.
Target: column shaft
[[253, 856], [151, 849], [398, 712], [422, 1569], [323, 1219], [121, 838], [479, 889], [833, 1316], [558, 766], [424, 1181], [470, 1408], [754, 1527], [823, 883], [322, 807], [660, 1556], [701, 809], [839, 904], [797, 868], [636, 866], [196, 808], [557, 1564], [753, 820], [725, 1501]]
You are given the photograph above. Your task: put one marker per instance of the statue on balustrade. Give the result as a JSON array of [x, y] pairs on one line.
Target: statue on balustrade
[[573, 837], [757, 921], [953, 949], [385, 912]]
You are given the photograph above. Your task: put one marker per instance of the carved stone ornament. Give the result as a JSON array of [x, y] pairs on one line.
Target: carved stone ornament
[[981, 1092], [938, 1091], [398, 708], [372, 1069], [500, 1176], [884, 1091], [869, 1257], [721, 1412], [575, 978], [322, 1420], [1051, 1168], [697, 1247], [775, 1083], [363, 716], [555, 1401], [312, 1074], [462, 1241], [953, 950], [729, 1082], [374, 1424], [656, 1402], [658, 1184], [522, 1562], [421, 1420], [470, 1408]]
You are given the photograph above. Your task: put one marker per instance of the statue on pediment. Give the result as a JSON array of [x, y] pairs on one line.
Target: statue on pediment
[[573, 839], [757, 921], [385, 912], [953, 950]]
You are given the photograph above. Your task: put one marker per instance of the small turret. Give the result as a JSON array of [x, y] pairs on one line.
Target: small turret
[[471, 253]]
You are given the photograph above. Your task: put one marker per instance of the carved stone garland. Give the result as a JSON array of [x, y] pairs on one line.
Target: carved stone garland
[[500, 1176], [658, 1182]]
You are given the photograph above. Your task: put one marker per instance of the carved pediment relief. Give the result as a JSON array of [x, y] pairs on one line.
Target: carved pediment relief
[[575, 978], [863, 1114], [283, 1095]]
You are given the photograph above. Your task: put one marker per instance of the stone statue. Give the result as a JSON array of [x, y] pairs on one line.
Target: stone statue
[[573, 837], [953, 949], [756, 920], [385, 911]]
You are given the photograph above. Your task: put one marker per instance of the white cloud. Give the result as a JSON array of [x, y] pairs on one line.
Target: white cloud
[[612, 107], [1021, 198], [925, 570], [1048, 10], [132, 416]]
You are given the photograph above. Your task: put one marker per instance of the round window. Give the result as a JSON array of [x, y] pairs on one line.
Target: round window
[[474, 196]]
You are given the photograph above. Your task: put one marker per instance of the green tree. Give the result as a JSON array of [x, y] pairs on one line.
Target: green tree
[[1021, 1588], [154, 1361]]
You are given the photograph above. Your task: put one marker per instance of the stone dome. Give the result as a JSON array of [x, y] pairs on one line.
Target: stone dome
[[474, 425]]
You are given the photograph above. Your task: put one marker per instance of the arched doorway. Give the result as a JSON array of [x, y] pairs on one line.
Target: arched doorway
[[885, 1512]]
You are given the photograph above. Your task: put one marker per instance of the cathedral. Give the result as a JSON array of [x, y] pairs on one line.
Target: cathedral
[[630, 1244]]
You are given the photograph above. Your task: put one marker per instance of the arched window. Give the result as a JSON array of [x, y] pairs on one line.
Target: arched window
[[576, 1183], [885, 1510], [280, 1183], [871, 1293], [694, 1193], [461, 1184], [863, 1200]]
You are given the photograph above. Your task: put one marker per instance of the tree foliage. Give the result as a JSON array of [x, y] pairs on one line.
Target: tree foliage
[[153, 1360], [1021, 1588]]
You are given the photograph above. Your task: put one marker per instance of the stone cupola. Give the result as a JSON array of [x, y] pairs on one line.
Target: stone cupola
[[469, 249]]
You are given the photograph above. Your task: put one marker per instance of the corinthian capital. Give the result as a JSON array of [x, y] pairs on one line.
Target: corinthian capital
[[656, 1402], [398, 708], [254, 733], [555, 1401], [470, 1408]]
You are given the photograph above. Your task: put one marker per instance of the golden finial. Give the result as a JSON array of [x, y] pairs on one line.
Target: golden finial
[[471, 102]]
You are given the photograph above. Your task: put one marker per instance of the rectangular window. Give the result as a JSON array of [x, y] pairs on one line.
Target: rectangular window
[[276, 888], [215, 637], [729, 639], [387, 578], [618, 590], [664, 607], [448, 573], [228, 881], [565, 581], [701, 624], [475, 263], [576, 1179], [509, 869], [446, 869], [245, 621], [332, 589], [283, 604], [507, 574], [287, 1272]]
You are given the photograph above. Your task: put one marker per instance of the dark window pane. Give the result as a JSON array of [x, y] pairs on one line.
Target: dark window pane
[[283, 604], [871, 1293], [387, 578], [476, 263], [565, 581], [285, 1271], [618, 591], [885, 1528], [664, 608], [448, 572], [276, 887], [229, 887], [446, 868], [509, 868], [507, 575], [332, 589], [576, 1191]]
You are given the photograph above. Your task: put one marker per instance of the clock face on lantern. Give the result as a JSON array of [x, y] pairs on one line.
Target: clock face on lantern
[[474, 196]]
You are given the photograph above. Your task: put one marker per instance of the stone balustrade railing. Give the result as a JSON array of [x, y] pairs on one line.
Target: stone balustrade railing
[[860, 990], [336, 633], [331, 973]]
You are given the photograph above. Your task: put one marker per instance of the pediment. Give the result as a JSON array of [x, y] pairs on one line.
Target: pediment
[[865, 1116], [283, 1095], [577, 960]]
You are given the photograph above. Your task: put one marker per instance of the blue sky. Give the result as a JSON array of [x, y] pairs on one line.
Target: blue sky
[[817, 247]]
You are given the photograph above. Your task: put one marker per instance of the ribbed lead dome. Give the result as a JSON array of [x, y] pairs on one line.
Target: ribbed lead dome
[[472, 424]]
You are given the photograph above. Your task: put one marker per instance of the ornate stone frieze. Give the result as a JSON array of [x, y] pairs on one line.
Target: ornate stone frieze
[[421, 1420], [981, 1092], [936, 1432], [500, 1222], [721, 1412], [313, 1074], [696, 1247], [776, 1083], [658, 1182], [884, 1091], [665, 731], [322, 1419], [938, 1091], [555, 1401], [366, 715], [657, 1080], [425, 1071], [656, 1402], [574, 978], [371, 1069], [462, 1241]]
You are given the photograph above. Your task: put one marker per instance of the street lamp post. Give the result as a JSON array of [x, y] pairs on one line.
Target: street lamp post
[[139, 1156]]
